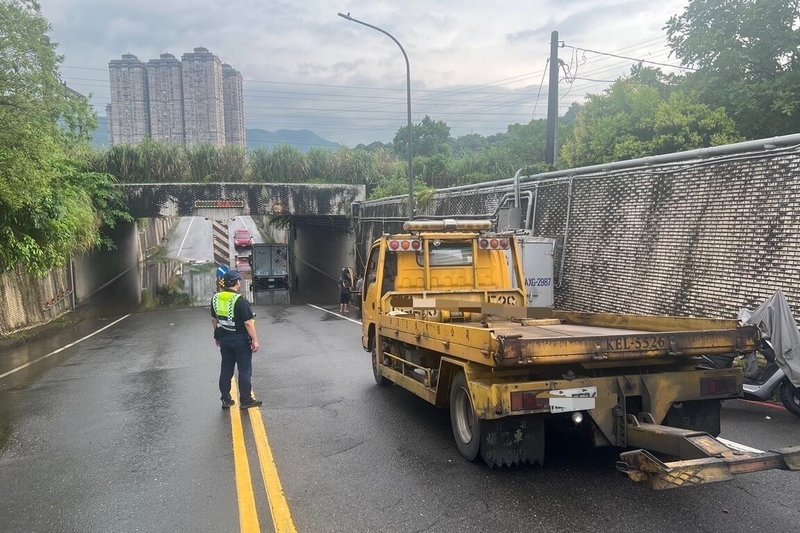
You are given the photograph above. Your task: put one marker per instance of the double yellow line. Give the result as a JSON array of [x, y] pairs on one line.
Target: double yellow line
[[279, 508]]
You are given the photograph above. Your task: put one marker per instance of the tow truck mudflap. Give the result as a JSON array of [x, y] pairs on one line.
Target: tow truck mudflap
[[704, 459]]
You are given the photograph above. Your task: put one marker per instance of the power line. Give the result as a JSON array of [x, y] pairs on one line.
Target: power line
[[467, 90], [374, 106], [385, 101], [628, 58]]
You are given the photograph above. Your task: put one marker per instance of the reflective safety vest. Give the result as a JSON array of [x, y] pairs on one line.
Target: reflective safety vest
[[223, 304]]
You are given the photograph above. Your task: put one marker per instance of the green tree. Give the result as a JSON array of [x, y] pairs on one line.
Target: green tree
[[398, 186], [51, 205], [526, 142], [472, 143], [433, 170], [747, 53], [430, 137], [682, 123], [373, 146], [635, 119]]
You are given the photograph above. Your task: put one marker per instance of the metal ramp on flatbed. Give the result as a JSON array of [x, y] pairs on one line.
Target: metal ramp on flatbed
[[702, 459]]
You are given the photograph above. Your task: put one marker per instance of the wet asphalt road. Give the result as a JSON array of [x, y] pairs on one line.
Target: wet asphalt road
[[123, 432], [191, 238]]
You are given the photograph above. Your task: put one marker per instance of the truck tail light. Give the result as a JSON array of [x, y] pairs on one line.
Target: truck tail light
[[405, 245], [719, 386], [494, 243], [527, 401]]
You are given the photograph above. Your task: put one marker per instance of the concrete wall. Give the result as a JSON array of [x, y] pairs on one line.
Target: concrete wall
[[697, 237], [100, 268], [271, 232], [270, 199], [111, 281], [318, 253], [105, 280]]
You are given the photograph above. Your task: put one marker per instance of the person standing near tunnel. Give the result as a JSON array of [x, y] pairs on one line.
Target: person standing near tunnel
[[345, 286], [235, 333]]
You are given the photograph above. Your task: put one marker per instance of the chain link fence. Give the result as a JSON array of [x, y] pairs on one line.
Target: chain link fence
[[700, 237]]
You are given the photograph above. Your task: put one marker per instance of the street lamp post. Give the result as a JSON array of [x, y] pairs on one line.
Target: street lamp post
[[408, 98]]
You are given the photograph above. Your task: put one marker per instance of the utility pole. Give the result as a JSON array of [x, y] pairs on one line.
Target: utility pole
[[552, 102]]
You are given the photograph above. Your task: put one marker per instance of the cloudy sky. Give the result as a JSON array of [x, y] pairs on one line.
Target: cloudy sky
[[477, 65]]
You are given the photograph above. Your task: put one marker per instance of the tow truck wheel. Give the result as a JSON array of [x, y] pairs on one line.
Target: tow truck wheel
[[466, 426], [379, 379], [790, 397]]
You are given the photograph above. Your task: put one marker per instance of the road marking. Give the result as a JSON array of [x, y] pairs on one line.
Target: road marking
[[281, 516], [739, 447], [248, 516], [191, 221], [335, 314], [70, 345]]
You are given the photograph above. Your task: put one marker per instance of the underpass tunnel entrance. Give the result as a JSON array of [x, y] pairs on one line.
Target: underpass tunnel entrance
[[321, 248]]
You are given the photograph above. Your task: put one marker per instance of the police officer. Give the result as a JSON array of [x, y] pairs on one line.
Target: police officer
[[235, 333]]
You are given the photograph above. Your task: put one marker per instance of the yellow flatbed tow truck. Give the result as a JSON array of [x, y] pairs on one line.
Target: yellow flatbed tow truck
[[445, 317]]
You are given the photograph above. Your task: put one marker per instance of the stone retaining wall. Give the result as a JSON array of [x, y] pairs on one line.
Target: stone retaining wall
[[701, 237], [27, 301]]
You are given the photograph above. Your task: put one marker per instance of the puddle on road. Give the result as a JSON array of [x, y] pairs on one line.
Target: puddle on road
[[170, 283]]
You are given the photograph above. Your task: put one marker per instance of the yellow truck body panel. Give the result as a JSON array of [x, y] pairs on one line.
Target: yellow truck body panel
[[444, 317]]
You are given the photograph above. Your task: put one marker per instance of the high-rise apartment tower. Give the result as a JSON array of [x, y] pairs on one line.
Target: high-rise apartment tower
[[165, 89], [203, 106], [194, 101], [233, 93], [130, 117]]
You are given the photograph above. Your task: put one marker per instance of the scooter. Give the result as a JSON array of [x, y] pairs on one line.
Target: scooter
[[762, 382], [766, 382]]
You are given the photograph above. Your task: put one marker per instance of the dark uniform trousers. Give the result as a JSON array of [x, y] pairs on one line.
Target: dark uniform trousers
[[236, 351]]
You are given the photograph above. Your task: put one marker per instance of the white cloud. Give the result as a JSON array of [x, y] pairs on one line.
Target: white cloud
[[474, 64]]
